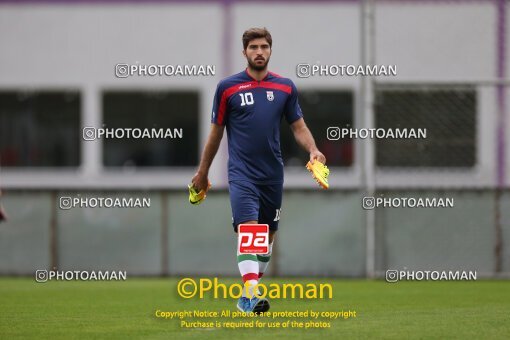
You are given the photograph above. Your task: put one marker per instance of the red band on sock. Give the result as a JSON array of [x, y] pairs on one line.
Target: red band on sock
[[260, 275], [250, 276]]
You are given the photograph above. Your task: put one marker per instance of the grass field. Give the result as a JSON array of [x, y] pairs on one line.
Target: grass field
[[125, 310]]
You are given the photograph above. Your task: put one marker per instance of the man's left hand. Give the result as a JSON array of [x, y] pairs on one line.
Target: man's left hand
[[317, 155]]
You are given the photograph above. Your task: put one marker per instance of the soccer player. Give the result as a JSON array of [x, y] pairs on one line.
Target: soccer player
[[3, 217], [251, 104]]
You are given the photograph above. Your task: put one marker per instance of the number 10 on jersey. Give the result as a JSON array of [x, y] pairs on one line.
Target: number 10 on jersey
[[246, 98]]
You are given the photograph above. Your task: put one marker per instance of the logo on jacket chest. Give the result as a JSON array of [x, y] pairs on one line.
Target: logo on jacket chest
[[270, 95]]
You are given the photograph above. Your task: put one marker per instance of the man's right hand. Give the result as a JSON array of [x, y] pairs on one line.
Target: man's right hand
[[200, 181]]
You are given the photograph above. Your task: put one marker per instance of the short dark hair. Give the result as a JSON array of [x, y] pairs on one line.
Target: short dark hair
[[256, 33]]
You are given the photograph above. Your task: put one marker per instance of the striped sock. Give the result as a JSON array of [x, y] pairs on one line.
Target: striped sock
[[249, 267], [264, 261]]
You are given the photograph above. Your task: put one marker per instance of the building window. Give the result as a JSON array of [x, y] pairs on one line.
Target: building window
[[321, 110], [40, 128], [448, 113], [151, 110]]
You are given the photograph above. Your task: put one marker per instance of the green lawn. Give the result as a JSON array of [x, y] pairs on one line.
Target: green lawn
[[125, 310]]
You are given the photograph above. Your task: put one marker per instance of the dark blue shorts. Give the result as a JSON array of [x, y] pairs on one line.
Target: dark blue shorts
[[255, 202]]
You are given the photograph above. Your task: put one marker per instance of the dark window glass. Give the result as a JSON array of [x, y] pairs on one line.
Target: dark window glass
[[143, 109], [39, 129], [321, 110], [447, 113]]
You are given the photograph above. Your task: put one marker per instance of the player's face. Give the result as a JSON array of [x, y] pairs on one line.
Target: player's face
[[257, 54]]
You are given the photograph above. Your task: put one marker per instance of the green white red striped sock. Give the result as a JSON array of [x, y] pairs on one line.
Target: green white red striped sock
[[264, 260], [249, 267]]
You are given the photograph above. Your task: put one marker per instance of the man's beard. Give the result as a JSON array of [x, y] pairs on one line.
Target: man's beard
[[256, 67]]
